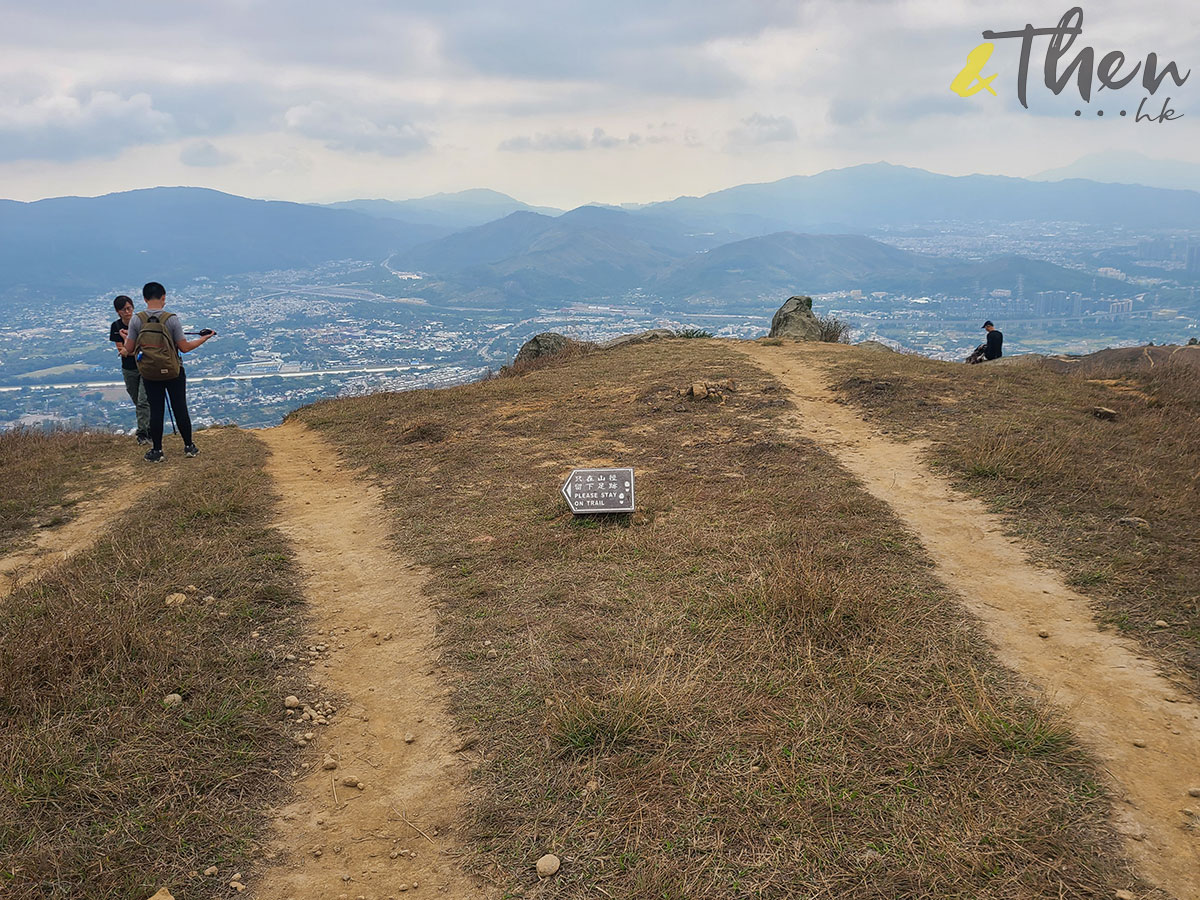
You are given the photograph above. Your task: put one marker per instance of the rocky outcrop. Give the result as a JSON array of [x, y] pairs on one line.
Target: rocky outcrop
[[547, 343], [795, 320], [874, 345], [640, 337]]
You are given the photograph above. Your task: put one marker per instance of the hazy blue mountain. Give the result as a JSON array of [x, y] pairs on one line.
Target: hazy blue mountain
[[462, 209], [788, 262], [525, 257], [881, 195], [805, 263], [1128, 167], [168, 234]]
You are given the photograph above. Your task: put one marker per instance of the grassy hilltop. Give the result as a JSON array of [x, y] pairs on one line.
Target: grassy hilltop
[[751, 687]]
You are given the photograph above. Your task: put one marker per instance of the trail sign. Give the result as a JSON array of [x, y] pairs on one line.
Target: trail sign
[[599, 491]]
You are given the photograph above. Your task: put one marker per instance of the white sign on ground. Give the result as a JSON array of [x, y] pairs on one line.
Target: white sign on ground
[[599, 491]]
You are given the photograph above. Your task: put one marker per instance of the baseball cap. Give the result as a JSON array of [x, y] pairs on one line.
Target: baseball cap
[[987, 323]]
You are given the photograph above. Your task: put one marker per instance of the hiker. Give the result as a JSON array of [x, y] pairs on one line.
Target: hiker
[[129, 369], [991, 348], [155, 338]]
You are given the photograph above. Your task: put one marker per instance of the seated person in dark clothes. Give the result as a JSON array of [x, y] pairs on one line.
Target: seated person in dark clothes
[[129, 369], [995, 338], [989, 349]]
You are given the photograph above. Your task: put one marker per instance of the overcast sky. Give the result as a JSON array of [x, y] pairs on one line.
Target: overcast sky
[[553, 101]]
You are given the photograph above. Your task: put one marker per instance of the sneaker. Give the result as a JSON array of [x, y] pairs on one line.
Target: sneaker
[[143, 440], [191, 450], [154, 456]]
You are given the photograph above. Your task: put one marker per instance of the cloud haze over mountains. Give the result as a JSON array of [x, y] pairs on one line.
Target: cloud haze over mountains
[[559, 104]]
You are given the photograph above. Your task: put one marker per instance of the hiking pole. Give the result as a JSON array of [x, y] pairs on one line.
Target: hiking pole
[[167, 397]]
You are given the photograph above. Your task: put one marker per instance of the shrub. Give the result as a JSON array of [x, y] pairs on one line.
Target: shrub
[[834, 330]]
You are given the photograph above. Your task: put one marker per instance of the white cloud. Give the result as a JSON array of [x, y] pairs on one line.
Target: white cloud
[[67, 127], [760, 129], [560, 141], [205, 154], [346, 130]]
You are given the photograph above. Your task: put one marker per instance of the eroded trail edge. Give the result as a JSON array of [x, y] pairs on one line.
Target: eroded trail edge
[[392, 731], [92, 517], [1114, 698]]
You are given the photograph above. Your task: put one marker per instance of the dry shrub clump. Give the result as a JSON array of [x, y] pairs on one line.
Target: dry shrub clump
[[750, 687], [1027, 440], [46, 474], [105, 792], [833, 330], [571, 351]]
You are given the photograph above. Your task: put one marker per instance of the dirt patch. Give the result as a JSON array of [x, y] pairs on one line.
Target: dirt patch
[[1145, 730], [391, 730]]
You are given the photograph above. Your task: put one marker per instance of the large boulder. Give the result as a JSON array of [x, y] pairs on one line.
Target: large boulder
[[795, 320], [547, 343]]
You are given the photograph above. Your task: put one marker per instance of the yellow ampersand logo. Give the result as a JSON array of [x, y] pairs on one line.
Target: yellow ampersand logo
[[970, 80]]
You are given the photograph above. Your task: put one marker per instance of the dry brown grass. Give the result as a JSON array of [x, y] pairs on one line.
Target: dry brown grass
[[571, 351], [46, 474], [1025, 439], [104, 791], [751, 687]]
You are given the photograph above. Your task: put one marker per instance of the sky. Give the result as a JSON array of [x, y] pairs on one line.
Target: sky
[[556, 102]]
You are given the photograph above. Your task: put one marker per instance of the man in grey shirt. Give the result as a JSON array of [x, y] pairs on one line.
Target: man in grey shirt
[[157, 391]]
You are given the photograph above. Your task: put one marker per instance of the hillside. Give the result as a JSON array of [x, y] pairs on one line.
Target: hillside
[[69, 244], [883, 195], [489, 249], [462, 209], [593, 252], [774, 264], [812, 662]]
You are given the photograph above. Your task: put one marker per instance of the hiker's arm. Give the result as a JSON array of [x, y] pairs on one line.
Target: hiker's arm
[[186, 346]]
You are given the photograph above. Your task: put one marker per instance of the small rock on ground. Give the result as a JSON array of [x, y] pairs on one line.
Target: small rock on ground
[[1126, 895], [547, 865], [163, 894], [172, 700], [291, 702]]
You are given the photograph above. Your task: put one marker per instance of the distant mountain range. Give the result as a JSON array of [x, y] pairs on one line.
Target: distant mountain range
[[1128, 167], [459, 210], [589, 252], [71, 244], [801, 234], [869, 197]]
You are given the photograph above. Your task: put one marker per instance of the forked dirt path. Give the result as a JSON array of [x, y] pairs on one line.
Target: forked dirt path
[[1145, 734], [92, 516], [392, 731]]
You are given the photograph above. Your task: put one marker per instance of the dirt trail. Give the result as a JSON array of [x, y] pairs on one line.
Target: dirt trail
[[92, 516], [413, 790], [1112, 695]]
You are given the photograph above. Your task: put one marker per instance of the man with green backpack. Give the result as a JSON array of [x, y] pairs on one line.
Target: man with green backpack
[[156, 340]]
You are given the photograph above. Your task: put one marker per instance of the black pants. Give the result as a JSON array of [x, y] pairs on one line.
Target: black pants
[[156, 393]]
